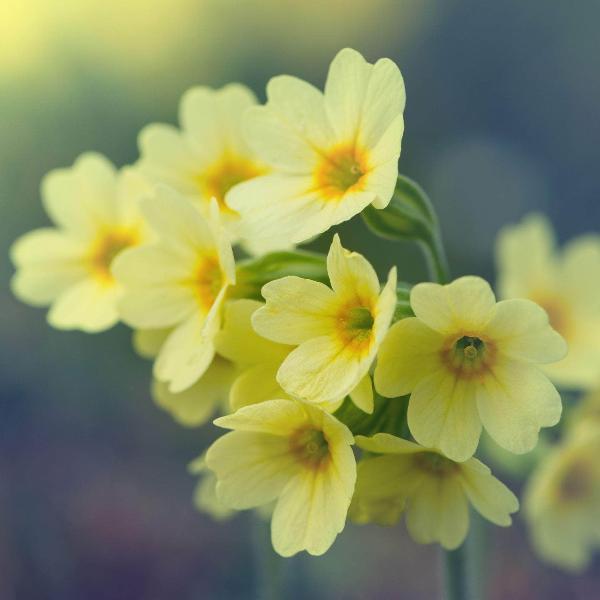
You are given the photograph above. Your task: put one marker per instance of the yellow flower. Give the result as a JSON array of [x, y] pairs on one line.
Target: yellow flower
[[208, 156], [562, 501], [566, 284], [179, 281], [293, 453], [468, 361], [332, 154], [68, 267], [433, 490], [337, 331]]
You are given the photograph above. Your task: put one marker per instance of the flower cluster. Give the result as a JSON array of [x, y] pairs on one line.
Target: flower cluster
[[305, 356]]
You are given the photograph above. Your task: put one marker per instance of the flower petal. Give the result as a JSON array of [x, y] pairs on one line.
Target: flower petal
[[297, 310], [252, 468], [521, 330], [442, 413], [362, 395], [256, 384], [147, 342], [466, 304], [409, 352], [515, 403]]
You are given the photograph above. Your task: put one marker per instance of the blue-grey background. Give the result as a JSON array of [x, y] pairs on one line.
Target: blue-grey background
[[502, 118]]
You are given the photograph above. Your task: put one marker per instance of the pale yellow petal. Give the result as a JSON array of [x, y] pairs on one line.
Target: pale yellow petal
[[466, 304], [256, 384], [409, 352], [321, 370], [312, 508], [515, 403], [47, 263], [277, 417], [385, 443], [148, 342], [442, 413], [490, 497], [351, 275], [520, 329], [205, 498], [89, 305], [381, 181], [362, 394], [195, 405], [251, 468], [438, 512], [297, 310], [239, 342]]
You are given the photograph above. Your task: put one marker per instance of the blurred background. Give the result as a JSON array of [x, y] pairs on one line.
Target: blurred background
[[502, 119]]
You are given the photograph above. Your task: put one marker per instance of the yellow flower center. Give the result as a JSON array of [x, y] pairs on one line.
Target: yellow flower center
[[105, 249], [576, 484], [340, 171], [434, 464], [208, 280], [310, 447], [468, 356], [355, 327], [222, 175]]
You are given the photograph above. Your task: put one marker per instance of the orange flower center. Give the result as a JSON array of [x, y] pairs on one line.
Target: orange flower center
[[105, 249], [227, 172], [310, 448], [208, 280], [576, 483], [468, 356], [340, 171]]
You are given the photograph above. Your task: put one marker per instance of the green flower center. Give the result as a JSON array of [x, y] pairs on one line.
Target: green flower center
[[359, 317], [310, 447]]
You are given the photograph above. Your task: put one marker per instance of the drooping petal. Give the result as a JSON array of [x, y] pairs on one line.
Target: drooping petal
[[252, 468], [490, 497], [442, 413], [409, 352], [466, 304], [89, 305], [515, 403], [297, 310], [520, 329]]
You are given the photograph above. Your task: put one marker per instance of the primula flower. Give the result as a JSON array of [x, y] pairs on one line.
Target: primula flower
[[178, 281], [337, 330], [209, 155], [562, 501], [293, 453], [431, 489], [68, 267], [331, 154], [468, 361], [566, 284]]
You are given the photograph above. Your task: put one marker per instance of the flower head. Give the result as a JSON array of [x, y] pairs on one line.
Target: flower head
[[95, 209], [562, 501], [468, 361], [566, 284], [431, 489], [178, 281], [209, 156], [292, 453], [331, 154], [337, 330]]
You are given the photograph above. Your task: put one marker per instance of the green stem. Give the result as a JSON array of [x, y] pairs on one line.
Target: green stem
[[271, 570], [435, 255], [455, 566]]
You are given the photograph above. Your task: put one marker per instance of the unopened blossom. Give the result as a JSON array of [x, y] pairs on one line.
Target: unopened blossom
[[469, 361], [337, 329], [331, 154], [95, 212], [566, 283], [433, 491], [292, 453]]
